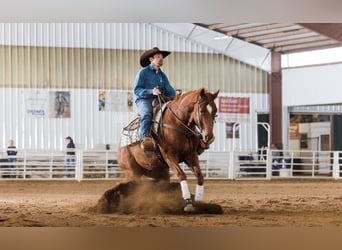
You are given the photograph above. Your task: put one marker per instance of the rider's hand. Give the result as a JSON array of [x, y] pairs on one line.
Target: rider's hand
[[156, 91]]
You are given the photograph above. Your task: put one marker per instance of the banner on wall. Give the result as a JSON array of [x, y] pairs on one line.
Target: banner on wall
[[102, 100], [59, 104], [36, 103], [234, 105], [233, 108], [115, 101]]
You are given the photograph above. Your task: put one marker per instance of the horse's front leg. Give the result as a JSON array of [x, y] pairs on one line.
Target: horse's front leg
[[173, 164], [193, 164]]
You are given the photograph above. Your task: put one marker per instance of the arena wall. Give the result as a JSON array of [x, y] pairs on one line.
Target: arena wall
[[37, 61]]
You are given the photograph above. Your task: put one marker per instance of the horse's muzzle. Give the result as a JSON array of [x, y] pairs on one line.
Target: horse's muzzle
[[208, 140]]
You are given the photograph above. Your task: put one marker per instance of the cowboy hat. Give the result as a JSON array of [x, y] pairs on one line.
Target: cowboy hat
[[145, 57]]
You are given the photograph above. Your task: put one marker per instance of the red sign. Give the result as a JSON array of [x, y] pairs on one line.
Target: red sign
[[234, 105]]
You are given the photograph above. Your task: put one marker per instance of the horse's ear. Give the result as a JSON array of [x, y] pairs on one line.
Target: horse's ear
[[215, 94], [202, 92]]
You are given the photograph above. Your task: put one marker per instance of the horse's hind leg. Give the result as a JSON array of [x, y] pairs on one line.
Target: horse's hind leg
[[128, 164], [161, 174], [110, 200]]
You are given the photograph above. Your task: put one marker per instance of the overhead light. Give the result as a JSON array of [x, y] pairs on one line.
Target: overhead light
[[222, 37]]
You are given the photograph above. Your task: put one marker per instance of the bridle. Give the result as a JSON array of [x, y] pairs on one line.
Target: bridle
[[187, 131]]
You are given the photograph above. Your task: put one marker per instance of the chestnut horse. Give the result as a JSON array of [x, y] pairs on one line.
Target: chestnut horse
[[185, 130]]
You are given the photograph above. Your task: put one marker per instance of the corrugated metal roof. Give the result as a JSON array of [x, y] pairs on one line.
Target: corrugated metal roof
[[284, 38]]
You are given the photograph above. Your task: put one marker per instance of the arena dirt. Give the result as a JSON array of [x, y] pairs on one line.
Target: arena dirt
[[313, 203]]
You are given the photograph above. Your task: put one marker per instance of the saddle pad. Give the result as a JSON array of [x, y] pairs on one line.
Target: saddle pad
[[157, 118]]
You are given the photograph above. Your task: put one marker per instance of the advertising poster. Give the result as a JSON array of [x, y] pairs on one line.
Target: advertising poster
[[115, 101], [102, 100], [233, 109], [59, 104], [36, 103]]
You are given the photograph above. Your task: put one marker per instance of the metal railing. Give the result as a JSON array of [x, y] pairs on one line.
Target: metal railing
[[289, 164], [102, 164], [39, 164]]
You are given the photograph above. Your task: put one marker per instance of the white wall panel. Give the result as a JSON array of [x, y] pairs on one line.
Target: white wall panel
[[92, 128], [84, 58], [138, 36], [87, 125], [66, 55], [312, 85]]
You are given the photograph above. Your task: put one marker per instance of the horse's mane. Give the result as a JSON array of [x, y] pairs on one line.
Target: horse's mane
[[188, 93]]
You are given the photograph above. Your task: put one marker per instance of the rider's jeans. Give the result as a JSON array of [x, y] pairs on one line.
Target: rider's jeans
[[145, 110]]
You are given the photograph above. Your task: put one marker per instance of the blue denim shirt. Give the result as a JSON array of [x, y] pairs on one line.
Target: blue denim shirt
[[147, 79]]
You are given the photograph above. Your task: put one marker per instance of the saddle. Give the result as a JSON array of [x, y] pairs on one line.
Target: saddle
[[130, 133]]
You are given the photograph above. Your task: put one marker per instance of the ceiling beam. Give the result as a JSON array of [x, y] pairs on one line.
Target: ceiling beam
[[295, 41], [283, 37], [257, 28], [309, 45], [332, 30], [277, 35], [221, 25], [311, 48]]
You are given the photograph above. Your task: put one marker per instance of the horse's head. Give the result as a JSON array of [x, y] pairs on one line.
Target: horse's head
[[204, 113]]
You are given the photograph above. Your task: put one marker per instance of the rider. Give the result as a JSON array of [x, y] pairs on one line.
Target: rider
[[150, 82]]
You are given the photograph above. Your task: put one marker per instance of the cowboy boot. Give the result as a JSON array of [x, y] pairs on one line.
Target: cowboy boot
[[147, 144]]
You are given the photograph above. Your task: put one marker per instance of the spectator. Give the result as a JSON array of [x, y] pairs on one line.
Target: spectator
[[12, 152], [70, 157]]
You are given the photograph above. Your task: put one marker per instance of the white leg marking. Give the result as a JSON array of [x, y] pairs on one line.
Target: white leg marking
[[185, 190], [199, 192]]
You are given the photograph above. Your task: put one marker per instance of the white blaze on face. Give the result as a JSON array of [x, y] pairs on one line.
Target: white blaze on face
[[209, 108]]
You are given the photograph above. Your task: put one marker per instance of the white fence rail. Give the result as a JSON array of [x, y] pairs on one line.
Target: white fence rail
[[102, 164]]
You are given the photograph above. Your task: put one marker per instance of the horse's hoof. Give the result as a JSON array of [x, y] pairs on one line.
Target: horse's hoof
[[188, 206]]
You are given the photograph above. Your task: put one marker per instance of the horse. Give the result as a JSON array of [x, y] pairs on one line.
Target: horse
[[184, 131]]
